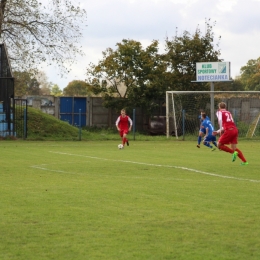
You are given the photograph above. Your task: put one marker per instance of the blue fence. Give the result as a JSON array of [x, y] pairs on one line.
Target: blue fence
[[73, 110]]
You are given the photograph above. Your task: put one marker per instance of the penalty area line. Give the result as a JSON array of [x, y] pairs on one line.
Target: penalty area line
[[162, 166], [40, 167]]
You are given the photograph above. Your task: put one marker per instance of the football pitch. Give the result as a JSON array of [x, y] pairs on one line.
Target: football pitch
[[151, 200]]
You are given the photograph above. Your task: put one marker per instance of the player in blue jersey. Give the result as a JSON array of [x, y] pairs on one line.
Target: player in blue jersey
[[202, 130], [209, 137]]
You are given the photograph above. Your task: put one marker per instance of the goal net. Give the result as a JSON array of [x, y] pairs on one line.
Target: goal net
[[184, 107]]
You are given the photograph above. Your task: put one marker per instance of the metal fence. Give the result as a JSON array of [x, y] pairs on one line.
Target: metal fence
[[6, 95]]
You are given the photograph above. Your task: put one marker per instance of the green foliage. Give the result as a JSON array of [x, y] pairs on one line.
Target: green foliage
[[36, 32], [235, 85], [77, 88], [131, 73], [243, 128], [56, 91], [250, 75], [182, 54], [25, 84], [139, 77], [152, 200]]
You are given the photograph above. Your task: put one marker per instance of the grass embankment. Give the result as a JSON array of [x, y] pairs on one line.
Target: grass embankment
[[45, 127], [42, 126]]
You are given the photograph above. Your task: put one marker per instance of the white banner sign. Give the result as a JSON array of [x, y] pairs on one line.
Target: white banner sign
[[212, 71]]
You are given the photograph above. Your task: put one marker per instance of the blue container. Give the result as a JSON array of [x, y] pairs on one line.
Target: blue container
[[3, 126], [2, 117]]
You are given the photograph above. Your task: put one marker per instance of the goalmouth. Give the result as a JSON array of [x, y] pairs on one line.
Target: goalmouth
[[183, 109]]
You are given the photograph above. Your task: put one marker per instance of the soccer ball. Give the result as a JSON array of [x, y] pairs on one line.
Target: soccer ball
[[120, 146]]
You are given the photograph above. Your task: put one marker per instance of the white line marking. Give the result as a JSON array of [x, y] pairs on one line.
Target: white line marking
[[46, 169], [160, 165]]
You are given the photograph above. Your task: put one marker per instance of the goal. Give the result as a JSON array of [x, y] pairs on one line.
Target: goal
[[183, 109]]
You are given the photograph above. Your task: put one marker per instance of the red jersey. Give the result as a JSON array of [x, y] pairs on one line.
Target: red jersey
[[122, 122], [225, 119]]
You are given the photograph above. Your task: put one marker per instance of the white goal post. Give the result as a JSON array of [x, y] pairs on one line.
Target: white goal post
[[184, 107]]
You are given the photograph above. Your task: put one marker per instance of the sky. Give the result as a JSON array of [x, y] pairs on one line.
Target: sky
[[111, 21]]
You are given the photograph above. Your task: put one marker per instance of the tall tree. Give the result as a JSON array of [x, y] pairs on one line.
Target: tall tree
[[25, 84], [21, 83], [235, 85], [131, 73], [184, 51], [77, 88], [250, 75], [45, 85], [34, 87], [56, 91], [35, 32]]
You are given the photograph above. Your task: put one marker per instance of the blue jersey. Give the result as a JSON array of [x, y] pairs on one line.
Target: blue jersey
[[206, 124], [202, 128], [205, 118]]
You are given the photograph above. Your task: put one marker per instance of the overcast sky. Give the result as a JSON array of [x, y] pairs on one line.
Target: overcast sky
[[111, 21]]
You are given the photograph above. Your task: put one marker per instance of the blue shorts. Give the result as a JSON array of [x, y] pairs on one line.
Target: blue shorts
[[210, 138], [203, 130]]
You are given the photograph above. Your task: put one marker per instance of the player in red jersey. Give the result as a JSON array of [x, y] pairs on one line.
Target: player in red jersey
[[230, 135], [124, 125]]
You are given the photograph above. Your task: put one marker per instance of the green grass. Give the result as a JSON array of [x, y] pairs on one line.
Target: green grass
[[158, 199], [44, 127]]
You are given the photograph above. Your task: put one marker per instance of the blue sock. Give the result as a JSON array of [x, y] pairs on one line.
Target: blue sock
[[208, 145], [199, 139], [215, 144]]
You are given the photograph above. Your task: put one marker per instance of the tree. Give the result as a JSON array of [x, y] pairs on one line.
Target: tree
[[35, 33], [235, 85], [43, 81], [77, 88], [129, 76], [250, 75], [145, 74], [21, 83], [25, 84], [56, 91], [183, 52], [34, 87]]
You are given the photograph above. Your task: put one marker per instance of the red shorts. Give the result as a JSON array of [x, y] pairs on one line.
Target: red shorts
[[229, 136], [123, 132]]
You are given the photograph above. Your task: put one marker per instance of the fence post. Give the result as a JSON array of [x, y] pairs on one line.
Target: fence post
[[134, 123], [183, 123], [79, 124], [24, 124], [235, 117]]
